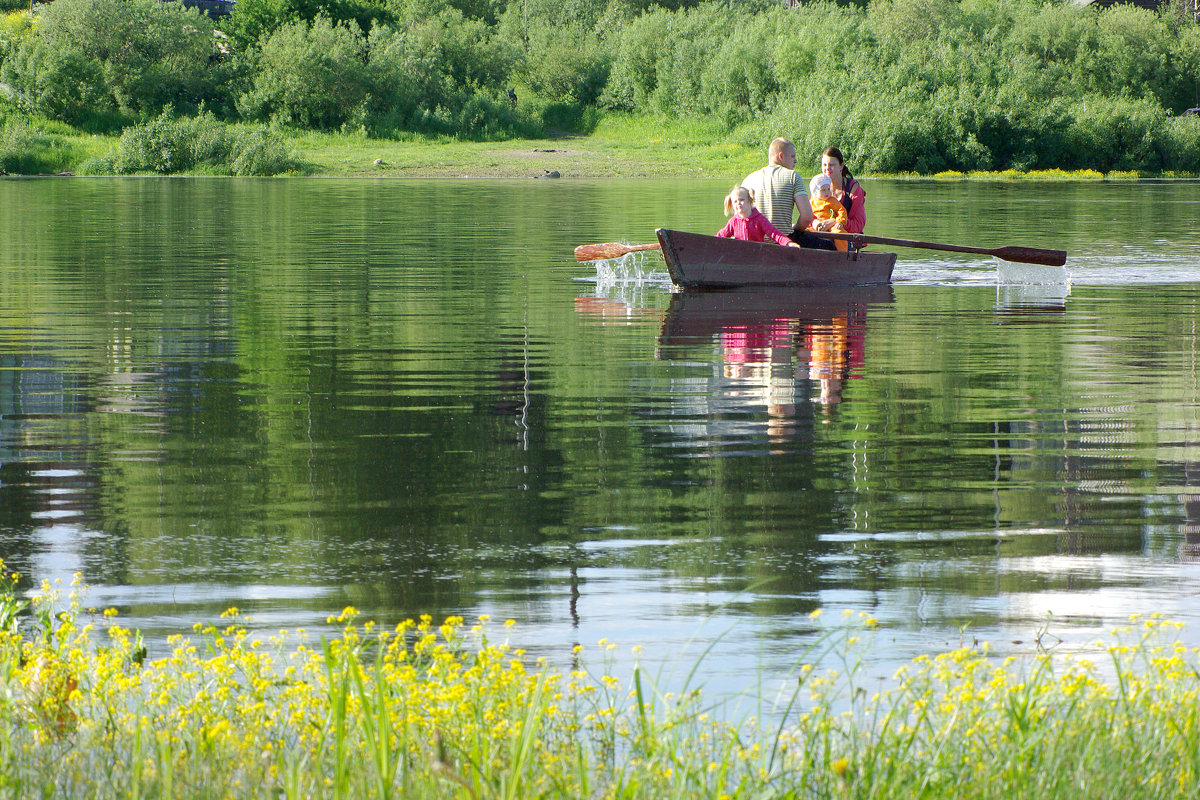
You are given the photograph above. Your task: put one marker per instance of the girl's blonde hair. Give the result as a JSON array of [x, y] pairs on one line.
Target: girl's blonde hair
[[732, 192]]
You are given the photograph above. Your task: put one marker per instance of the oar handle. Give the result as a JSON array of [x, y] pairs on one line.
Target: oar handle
[[595, 252]]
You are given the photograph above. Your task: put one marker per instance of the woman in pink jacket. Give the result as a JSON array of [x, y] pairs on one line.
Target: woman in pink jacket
[[847, 191]]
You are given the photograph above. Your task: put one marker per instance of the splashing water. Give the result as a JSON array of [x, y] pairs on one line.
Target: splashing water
[[633, 268], [1010, 272]]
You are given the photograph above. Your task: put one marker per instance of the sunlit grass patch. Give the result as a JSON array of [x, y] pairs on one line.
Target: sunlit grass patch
[[32, 146], [445, 711]]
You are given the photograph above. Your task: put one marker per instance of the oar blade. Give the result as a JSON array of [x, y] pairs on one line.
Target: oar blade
[[595, 252], [1032, 255]]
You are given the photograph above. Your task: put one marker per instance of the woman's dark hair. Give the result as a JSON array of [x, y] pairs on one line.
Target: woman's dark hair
[[833, 152]]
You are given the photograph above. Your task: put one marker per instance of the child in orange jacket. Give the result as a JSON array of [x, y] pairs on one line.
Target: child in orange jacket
[[824, 206]]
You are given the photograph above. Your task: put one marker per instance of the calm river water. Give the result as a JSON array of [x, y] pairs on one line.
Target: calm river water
[[293, 395]]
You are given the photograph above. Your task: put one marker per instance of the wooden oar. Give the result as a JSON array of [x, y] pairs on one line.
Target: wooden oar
[[595, 252], [1027, 255]]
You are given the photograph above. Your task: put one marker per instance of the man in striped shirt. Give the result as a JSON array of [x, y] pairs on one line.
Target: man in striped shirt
[[778, 189]]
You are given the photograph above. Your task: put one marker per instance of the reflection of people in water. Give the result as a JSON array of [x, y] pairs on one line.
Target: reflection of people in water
[[764, 356], [772, 359], [829, 362]]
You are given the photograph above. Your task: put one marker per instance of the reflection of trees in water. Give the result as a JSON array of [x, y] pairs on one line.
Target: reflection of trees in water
[[47, 493]]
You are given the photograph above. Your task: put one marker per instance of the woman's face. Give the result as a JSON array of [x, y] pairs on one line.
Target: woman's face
[[833, 168]]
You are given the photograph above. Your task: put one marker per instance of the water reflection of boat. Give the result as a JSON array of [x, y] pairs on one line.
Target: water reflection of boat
[[771, 339], [697, 315], [696, 260]]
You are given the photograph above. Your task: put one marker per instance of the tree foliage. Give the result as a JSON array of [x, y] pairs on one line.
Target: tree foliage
[[903, 85], [925, 85], [88, 58]]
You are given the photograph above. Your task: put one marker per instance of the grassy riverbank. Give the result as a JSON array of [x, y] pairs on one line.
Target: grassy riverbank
[[620, 146], [442, 711]]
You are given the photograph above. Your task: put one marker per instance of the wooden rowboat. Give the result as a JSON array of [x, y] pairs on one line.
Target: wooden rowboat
[[696, 260]]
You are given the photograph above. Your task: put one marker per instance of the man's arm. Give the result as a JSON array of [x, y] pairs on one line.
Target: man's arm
[[804, 216]]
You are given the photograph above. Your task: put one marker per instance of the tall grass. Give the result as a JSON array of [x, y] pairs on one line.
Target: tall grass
[[30, 148], [440, 711]]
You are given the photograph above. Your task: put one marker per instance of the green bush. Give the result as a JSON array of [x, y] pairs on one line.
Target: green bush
[[738, 80], [1117, 134], [406, 76], [253, 21], [15, 26], [100, 59], [258, 152], [437, 71], [311, 74], [170, 144], [1181, 145], [568, 117], [566, 63], [633, 78], [929, 85]]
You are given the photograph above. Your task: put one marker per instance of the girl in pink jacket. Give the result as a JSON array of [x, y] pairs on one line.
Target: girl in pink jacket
[[747, 222]]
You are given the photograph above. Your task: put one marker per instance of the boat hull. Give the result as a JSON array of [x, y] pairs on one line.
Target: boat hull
[[696, 260]]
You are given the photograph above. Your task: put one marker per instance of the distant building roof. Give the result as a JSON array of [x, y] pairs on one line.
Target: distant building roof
[[1149, 5]]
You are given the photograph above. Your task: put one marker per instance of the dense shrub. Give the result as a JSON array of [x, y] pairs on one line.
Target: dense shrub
[[253, 21], [1117, 134], [741, 78], [1181, 145], [15, 27], [566, 63], [473, 57], [406, 75], [310, 74], [256, 151], [91, 58], [170, 144], [633, 79], [903, 85], [927, 85]]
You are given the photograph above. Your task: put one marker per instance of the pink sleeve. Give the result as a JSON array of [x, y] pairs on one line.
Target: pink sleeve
[[766, 227], [727, 231], [858, 214]]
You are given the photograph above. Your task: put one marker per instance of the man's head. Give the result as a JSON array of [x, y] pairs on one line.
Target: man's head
[[783, 153]]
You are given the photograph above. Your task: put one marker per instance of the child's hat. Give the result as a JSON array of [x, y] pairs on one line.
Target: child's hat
[[819, 181]]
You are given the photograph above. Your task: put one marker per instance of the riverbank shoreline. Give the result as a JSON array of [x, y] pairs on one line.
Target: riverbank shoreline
[[604, 154], [620, 147]]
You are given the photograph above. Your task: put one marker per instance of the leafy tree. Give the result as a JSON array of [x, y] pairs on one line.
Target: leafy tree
[[311, 74], [88, 58], [254, 20], [565, 62]]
